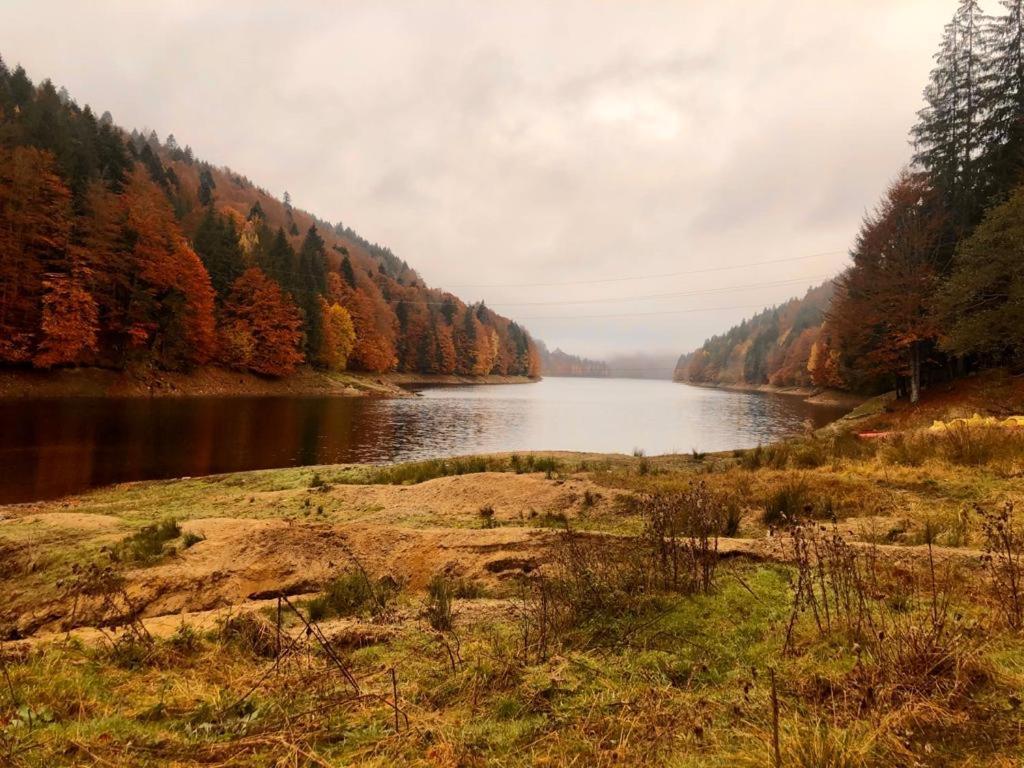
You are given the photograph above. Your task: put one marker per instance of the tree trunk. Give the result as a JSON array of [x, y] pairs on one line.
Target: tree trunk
[[915, 372]]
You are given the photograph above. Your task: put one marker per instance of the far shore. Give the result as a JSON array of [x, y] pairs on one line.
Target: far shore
[[811, 395], [212, 381]]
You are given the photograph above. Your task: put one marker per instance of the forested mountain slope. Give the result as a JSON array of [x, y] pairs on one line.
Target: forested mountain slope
[[119, 250], [559, 363], [779, 346]]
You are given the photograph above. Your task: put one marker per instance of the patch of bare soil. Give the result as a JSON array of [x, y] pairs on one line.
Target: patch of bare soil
[[459, 499], [243, 560]]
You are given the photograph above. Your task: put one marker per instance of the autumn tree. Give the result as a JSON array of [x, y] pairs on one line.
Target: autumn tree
[[338, 336], [34, 231], [69, 324], [261, 327], [823, 363], [171, 309], [879, 316], [374, 347]]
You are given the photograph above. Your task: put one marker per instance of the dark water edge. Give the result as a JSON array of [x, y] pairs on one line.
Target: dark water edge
[[51, 448]]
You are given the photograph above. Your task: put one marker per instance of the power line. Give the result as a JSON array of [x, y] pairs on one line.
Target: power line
[[641, 314], [646, 277], [673, 295]]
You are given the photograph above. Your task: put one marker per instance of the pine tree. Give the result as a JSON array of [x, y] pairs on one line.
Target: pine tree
[[216, 242], [312, 283], [949, 134], [1003, 129], [206, 187], [347, 272]]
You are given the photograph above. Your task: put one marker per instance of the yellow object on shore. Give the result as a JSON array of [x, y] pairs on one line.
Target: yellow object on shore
[[978, 421]]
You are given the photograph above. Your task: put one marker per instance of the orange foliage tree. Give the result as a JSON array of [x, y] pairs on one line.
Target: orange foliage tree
[[261, 328], [175, 306], [34, 231], [338, 335], [374, 348], [69, 322], [879, 316]]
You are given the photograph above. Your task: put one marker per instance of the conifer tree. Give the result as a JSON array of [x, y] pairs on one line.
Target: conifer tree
[[948, 136], [1003, 92]]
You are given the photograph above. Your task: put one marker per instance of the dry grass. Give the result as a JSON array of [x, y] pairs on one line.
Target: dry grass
[[621, 636]]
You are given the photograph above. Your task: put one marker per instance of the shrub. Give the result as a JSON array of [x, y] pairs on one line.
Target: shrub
[[439, 603], [975, 446], [681, 530], [190, 539], [486, 515], [147, 543], [551, 520], [1004, 549], [787, 502], [733, 516], [350, 594], [251, 632], [468, 589]]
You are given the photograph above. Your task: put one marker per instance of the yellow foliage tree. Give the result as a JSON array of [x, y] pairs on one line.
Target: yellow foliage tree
[[339, 336]]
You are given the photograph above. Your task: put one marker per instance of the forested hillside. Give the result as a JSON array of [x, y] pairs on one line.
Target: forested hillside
[[119, 249], [779, 346], [936, 287], [559, 363]]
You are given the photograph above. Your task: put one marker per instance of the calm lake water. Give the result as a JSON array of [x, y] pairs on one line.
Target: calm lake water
[[50, 448]]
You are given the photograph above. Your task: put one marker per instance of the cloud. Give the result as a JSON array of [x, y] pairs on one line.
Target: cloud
[[522, 142]]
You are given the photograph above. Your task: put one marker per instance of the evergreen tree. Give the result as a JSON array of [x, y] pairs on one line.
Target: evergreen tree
[[206, 187], [276, 258], [154, 167], [347, 272], [948, 136], [1003, 129], [981, 305], [312, 282], [216, 242]]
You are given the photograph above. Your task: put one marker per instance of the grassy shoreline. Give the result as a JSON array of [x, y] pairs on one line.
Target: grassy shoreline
[[212, 381]]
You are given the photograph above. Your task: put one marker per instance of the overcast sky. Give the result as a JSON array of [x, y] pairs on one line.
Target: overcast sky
[[499, 145]]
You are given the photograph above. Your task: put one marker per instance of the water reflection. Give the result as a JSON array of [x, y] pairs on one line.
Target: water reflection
[[50, 448]]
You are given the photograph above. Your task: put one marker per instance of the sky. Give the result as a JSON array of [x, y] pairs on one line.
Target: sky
[[618, 176]]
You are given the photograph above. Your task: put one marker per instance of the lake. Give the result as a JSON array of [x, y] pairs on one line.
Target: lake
[[50, 448]]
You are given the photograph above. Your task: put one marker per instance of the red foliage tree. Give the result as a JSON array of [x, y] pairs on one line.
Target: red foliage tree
[[261, 329], [34, 230], [175, 305], [69, 322], [879, 316]]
